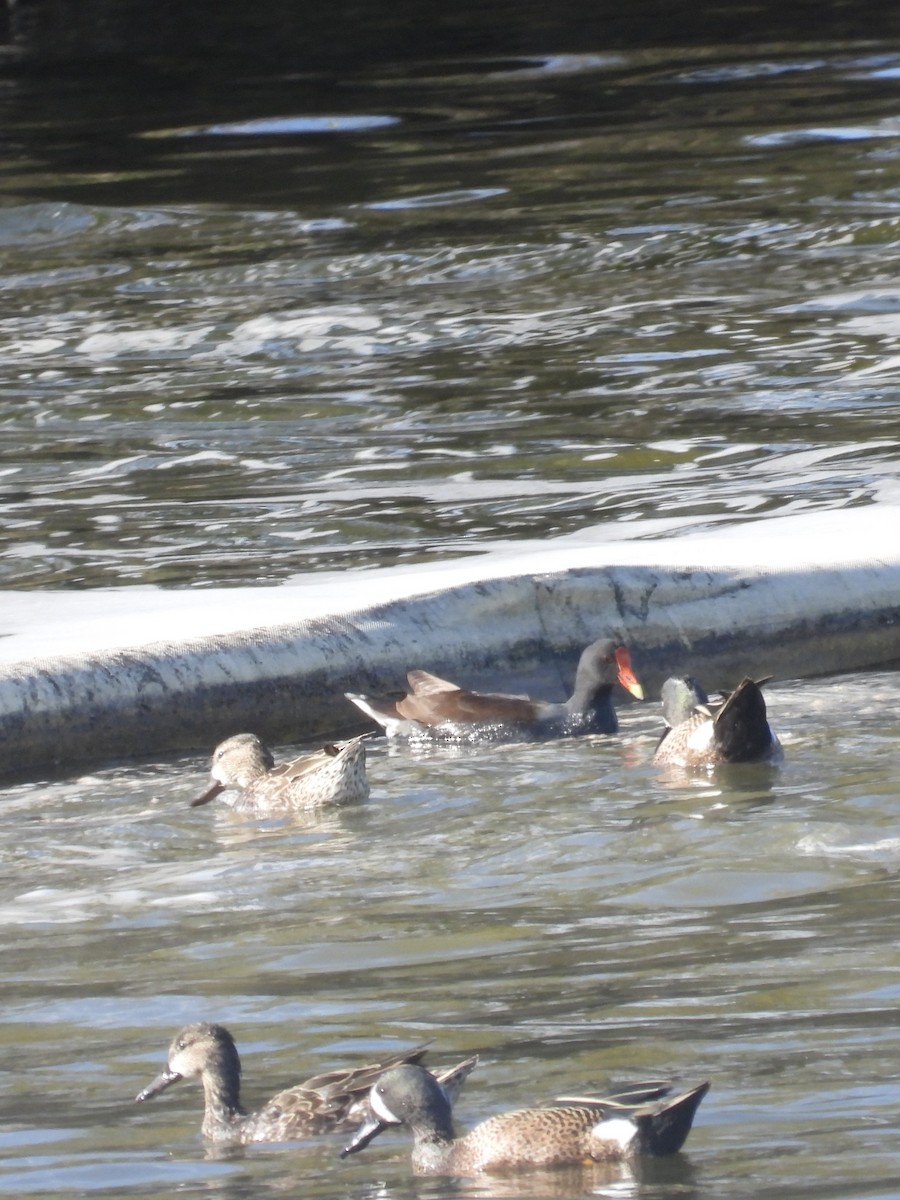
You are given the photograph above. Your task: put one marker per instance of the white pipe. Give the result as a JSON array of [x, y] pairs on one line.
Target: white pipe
[[89, 675]]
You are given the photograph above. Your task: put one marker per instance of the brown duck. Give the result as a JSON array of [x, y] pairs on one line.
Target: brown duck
[[333, 1100], [243, 768], [702, 735], [579, 1130], [436, 708]]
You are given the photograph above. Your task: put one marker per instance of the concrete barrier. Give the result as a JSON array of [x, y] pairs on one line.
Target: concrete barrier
[[90, 676]]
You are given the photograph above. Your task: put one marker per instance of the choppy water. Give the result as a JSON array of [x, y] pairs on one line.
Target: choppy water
[[550, 293], [544, 294], [567, 911]]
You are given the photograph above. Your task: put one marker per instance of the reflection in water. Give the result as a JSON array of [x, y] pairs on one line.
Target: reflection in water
[[600, 1179], [739, 782]]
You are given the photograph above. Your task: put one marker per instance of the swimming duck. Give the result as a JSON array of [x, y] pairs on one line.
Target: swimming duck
[[704, 735], [333, 1100], [437, 708], [568, 1131], [244, 766], [679, 697]]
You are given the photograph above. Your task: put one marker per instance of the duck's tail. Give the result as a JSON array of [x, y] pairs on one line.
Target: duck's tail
[[663, 1128], [741, 730]]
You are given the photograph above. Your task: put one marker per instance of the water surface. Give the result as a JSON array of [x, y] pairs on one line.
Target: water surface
[[546, 293], [568, 911], [417, 313]]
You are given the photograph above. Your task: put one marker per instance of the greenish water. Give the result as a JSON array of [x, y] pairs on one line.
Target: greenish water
[[546, 294], [566, 911]]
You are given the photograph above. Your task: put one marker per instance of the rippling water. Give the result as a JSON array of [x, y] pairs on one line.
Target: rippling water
[[550, 293], [416, 314], [567, 911]]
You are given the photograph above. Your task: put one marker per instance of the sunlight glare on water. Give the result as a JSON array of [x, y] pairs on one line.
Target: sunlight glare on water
[[509, 290]]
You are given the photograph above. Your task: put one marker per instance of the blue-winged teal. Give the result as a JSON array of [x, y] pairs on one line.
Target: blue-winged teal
[[436, 708], [567, 1132], [705, 735], [244, 768], [333, 1100]]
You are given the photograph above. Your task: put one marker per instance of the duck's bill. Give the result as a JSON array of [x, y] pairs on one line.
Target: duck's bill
[[627, 677], [210, 794], [367, 1132], [165, 1079]]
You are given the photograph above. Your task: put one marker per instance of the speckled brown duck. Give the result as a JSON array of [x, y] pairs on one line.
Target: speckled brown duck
[[700, 734], [331, 1101], [244, 769], [436, 708], [579, 1130]]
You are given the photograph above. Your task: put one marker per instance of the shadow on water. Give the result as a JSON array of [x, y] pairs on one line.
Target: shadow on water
[[279, 33]]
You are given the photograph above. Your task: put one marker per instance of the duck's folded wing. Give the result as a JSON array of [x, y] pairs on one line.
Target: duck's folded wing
[[631, 1095]]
